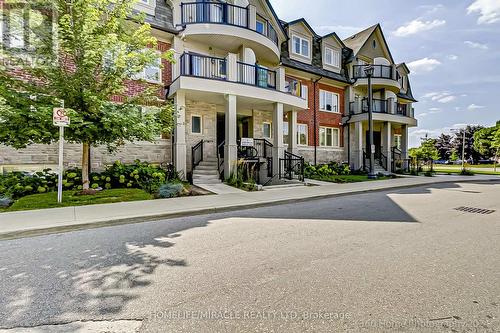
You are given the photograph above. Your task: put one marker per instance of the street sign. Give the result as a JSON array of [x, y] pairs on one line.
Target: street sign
[[60, 118], [247, 142]]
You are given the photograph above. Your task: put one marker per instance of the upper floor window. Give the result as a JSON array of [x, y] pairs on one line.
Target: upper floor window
[[305, 92], [328, 101], [332, 57], [301, 46], [147, 6], [260, 27]]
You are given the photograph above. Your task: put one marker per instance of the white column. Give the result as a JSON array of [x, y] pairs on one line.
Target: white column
[[358, 145], [292, 132], [231, 146], [391, 106], [404, 141], [387, 144], [280, 79], [278, 148], [178, 47], [252, 17], [232, 67], [180, 135]]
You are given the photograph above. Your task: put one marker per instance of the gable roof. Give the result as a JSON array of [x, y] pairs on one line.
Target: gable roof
[[303, 21], [334, 35], [358, 40], [268, 3]]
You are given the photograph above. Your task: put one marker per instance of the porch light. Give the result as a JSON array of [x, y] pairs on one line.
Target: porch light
[[369, 70]]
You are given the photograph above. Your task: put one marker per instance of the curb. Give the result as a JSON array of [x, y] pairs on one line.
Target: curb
[[196, 212]]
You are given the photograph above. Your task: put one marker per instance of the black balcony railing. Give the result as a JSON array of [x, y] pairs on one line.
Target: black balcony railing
[[225, 13], [402, 109], [379, 72], [203, 66], [214, 12], [256, 75], [378, 105]]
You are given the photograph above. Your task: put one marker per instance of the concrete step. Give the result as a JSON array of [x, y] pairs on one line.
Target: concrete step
[[206, 167], [203, 177], [206, 181], [208, 164], [205, 172]]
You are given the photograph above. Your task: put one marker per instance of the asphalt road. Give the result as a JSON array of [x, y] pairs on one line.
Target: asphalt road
[[402, 260]]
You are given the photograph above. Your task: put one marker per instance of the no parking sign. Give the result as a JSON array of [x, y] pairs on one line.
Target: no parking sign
[[60, 118]]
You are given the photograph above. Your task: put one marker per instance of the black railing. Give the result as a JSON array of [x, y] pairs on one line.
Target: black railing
[[256, 75], [224, 13], [399, 163], [203, 66], [214, 12], [379, 72], [378, 105], [264, 148], [365, 157], [220, 159], [402, 109], [382, 159], [291, 167], [196, 154]]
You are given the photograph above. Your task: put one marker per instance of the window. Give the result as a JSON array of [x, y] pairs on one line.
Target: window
[[332, 57], [292, 86], [196, 125], [397, 141], [302, 134], [328, 101], [266, 130], [300, 46], [147, 6], [374, 44], [329, 137], [305, 92], [285, 131], [16, 26], [152, 72], [260, 27]]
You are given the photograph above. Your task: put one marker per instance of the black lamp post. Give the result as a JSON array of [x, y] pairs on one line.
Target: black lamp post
[[369, 74]]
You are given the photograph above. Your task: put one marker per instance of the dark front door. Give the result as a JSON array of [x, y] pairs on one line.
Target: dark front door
[[377, 141]]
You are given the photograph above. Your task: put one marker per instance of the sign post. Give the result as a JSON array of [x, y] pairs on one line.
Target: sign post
[[60, 119]]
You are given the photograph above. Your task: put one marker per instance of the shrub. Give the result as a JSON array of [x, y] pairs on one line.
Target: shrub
[[429, 174], [170, 190], [330, 169], [5, 202], [466, 172]]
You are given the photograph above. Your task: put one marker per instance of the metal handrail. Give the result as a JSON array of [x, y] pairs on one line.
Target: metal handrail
[[214, 12], [196, 154], [383, 160], [292, 165], [379, 72], [256, 75], [203, 66], [402, 109], [378, 105], [220, 159]]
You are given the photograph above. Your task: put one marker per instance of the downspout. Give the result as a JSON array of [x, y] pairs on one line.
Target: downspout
[[315, 125]]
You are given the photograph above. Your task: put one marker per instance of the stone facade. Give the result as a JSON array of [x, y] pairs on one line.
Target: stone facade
[[323, 155]]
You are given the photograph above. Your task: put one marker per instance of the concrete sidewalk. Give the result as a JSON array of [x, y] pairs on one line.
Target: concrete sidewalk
[[36, 222]]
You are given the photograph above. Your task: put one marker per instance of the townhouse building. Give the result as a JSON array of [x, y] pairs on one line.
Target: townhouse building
[[250, 88]]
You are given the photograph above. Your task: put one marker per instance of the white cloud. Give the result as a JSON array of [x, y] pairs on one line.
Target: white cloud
[[475, 45], [431, 9], [474, 107], [423, 65], [453, 57], [431, 111], [489, 11], [441, 97], [417, 26]]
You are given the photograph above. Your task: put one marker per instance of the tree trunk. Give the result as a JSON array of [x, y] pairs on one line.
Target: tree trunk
[[85, 166], [495, 161]]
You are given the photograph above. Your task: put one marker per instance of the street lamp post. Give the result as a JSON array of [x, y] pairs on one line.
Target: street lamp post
[[369, 74]]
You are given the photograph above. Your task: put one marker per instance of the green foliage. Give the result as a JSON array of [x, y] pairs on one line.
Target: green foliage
[[140, 175], [243, 178], [487, 141], [170, 190], [454, 155], [101, 45], [466, 172], [325, 170]]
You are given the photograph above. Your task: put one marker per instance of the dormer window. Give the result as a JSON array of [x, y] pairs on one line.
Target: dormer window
[[301, 46], [332, 57], [146, 6]]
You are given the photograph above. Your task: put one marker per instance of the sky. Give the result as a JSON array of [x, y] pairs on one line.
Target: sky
[[452, 48]]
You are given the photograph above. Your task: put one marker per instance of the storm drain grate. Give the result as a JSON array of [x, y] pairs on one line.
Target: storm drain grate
[[473, 210]]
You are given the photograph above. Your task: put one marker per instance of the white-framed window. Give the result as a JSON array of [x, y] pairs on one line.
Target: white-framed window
[[304, 92], [329, 137], [147, 6], [285, 131], [328, 101], [397, 141], [332, 57], [151, 72], [301, 46], [196, 124], [302, 134], [267, 130], [260, 27]]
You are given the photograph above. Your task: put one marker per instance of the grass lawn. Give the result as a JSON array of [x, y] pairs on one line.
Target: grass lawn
[[346, 179], [49, 200], [457, 169]]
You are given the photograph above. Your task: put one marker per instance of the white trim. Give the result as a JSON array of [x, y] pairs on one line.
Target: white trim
[[301, 39], [337, 109], [270, 130], [338, 136], [298, 135], [148, 7], [335, 57], [306, 92], [201, 124]]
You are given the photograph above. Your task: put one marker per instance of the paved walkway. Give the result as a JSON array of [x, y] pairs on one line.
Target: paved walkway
[[220, 188], [17, 224]]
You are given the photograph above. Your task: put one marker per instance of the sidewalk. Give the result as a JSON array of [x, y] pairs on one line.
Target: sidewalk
[[35, 222]]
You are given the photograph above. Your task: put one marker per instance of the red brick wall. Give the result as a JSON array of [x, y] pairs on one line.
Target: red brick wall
[[327, 119]]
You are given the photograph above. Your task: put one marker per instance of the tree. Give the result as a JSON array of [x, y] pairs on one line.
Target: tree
[[426, 152], [457, 142], [99, 45], [487, 142], [444, 147]]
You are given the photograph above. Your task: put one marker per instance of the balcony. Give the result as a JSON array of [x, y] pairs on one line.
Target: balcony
[[378, 106], [402, 109], [228, 26], [254, 83], [383, 110], [383, 77]]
